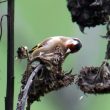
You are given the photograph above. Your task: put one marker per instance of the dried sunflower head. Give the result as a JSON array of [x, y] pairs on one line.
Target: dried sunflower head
[[89, 13], [95, 80], [50, 54]]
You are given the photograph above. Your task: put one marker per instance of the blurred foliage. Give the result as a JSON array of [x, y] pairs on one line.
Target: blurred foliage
[[36, 20]]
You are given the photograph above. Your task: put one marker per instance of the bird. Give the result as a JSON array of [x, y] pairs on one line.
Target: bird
[[53, 49], [56, 45]]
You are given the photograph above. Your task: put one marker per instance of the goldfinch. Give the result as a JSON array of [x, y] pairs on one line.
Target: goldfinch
[[53, 47]]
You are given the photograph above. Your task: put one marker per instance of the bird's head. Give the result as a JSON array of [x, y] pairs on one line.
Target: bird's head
[[73, 45]]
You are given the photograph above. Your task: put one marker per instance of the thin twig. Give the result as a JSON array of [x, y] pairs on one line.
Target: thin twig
[[1, 25], [22, 101]]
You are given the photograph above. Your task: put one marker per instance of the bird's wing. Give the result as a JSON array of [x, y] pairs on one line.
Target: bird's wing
[[39, 45]]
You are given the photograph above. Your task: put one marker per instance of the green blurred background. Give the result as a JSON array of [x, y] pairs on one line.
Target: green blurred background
[[36, 20]]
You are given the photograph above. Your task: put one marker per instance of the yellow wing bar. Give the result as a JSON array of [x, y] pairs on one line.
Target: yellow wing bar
[[35, 47]]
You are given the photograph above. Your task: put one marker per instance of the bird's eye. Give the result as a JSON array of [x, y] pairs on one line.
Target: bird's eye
[[74, 45]]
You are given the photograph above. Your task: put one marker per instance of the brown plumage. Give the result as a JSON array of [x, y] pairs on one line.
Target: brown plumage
[[55, 45], [52, 51]]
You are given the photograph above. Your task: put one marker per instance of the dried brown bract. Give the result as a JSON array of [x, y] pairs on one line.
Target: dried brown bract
[[95, 80], [44, 82], [89, 13], [48, 82]]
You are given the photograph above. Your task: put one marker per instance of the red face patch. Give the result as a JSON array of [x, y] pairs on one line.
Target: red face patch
[[74, 47]]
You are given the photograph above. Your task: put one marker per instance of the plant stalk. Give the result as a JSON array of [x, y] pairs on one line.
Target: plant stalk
[[9, 99]]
